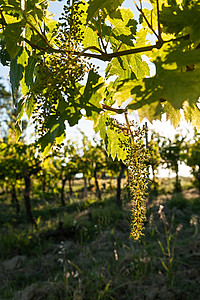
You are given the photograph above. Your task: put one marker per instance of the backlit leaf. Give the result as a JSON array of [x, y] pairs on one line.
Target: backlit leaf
[[16, 71], [109, 5], [91, 39], [13, 37], [18, 131]]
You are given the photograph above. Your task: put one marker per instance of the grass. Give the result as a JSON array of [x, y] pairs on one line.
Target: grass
[[99, 260]]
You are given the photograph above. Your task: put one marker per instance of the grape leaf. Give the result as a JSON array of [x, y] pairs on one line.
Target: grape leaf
[[99, 125], [13, 37], [18, 131], [114, 147], [91, 39], [124, 93], [151, 16], [184, 58], [192, 114], [29, 70], [123, 22], [95, 5], [20, 108], [172, 114], [150, 111], [175, 18], [30, 105], [12, 3], [56, 132], [110, 137], [94, 83], [128, 67], [120, 66], [16, 71], [139, 66], [167, 85]]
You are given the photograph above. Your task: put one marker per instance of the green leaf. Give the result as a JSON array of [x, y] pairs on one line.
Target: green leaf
[[28, 73], [150, 111], [16, 71], [30, 105], [96, 5], [113, 145], [128, 67], [123, 22], [22, 59], [116, 68], [16, 4], [176, 17], [24, 87], [109, 92], [29, 70], [120, 66], [139, 66], [192, 114], [183, 58], [175, 87], [99, 125], [110, 137], [50, 25], [151, 16], [167, 85], [124, 92], [141, 38], [172, 114], [73, 117], [13, 37], [91, 39], [56, 133], [20, 108], [94, 83], [18, 131]]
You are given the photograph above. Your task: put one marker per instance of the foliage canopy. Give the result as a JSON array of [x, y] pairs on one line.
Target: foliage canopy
[[50, 59]]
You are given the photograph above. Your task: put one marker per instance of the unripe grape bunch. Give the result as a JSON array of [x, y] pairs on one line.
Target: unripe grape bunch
[[59, 73], [137, 156]]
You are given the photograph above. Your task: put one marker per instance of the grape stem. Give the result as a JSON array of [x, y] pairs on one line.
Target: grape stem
[[116, 110], [129, 128]]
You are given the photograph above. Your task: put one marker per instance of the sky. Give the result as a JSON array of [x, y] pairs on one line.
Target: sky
[[164, 127]]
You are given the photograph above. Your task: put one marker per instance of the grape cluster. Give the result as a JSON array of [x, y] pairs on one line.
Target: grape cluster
[[59, 73], [136, 161]]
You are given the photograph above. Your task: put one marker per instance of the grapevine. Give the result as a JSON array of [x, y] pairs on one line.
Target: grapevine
[[50, 59]]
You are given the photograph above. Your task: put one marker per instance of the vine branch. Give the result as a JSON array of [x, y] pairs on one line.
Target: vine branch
[[100, 34], [40, 34], [158, 20], [110, 56], [34, 46], [105, 56], [149, 25], [116, 110]]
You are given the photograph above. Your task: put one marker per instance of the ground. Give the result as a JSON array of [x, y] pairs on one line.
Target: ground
[[92, 255]]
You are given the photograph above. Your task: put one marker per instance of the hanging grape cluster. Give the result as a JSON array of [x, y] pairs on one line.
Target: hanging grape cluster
[[67, 66], [136, 161], [59, 74]]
